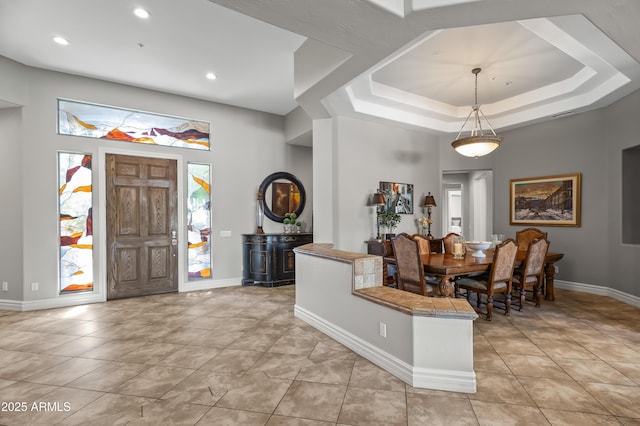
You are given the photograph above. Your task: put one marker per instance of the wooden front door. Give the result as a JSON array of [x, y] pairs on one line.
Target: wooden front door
[[142, 219]]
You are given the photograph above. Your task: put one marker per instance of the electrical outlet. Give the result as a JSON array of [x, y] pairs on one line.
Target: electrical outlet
[[5, 286], [383, 330], [225, 233], [556, 268], [34, 286]]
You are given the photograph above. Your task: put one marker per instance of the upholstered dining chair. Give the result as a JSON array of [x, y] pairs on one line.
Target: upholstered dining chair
[[424, 243], [525, 236], [410, 272], [497, 281], [531, 273], [447, 242]]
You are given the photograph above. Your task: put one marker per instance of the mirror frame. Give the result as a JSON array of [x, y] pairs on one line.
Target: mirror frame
[[266, 183]]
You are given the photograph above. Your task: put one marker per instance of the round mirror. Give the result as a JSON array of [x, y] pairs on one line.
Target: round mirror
[[283, 193]]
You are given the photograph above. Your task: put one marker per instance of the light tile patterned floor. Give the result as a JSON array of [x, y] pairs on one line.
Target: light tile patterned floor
[[237, 356]]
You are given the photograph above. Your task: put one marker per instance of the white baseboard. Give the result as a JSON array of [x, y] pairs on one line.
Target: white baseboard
[[210, 284], [599, 290], [86, 298], [57, 302], [447, 380], [10, 305]]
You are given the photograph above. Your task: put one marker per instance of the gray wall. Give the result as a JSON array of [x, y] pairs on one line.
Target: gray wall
[[368, 153], [246, 146], [249, 145], [621, 132], [574, 144], [11, 168], [590, 144]]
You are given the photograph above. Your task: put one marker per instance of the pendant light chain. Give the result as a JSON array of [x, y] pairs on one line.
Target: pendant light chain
[[477, 143]]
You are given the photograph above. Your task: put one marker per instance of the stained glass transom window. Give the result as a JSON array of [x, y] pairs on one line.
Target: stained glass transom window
[[106, 122], [76, 222], [199, 220]]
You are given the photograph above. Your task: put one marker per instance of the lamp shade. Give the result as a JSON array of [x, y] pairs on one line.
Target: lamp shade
[[377, 199], [429, 201]]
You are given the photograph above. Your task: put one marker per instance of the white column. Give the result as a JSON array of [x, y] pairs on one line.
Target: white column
[[323, 181]]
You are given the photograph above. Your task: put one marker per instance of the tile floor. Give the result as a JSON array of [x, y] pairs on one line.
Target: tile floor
[[237, 356]]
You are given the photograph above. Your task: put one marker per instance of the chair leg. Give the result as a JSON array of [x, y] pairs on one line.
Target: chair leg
[[507, 303], [478, 302], [538, 291], [523, 294], [489, 307]]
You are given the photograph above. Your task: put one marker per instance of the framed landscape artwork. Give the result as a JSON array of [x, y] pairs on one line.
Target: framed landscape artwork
[[398, 197], [546, 201]]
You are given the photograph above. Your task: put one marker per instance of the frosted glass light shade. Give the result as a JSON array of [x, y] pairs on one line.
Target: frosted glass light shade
[[476, 146]]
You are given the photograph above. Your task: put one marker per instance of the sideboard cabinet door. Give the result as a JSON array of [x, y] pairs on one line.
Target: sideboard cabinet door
[[269, 260]]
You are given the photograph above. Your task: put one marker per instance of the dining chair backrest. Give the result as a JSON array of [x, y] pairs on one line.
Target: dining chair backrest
[[447, 242], [424, 244], [534, 260], [409, 264], [504, 259], [525, 236]]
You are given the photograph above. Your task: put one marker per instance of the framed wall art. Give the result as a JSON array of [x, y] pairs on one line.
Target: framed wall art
[[546, 201], [398, 197]]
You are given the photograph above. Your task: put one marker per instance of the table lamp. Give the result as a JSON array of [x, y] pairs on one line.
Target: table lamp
[[377, 200], [429, 202]]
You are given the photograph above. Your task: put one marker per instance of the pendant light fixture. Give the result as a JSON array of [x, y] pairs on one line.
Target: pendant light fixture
[[477, 143]]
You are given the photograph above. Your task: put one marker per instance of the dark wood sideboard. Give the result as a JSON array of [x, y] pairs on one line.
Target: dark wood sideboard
[[269, 260]]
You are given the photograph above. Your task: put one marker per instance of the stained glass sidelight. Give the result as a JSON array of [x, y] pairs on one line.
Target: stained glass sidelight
[[76, 224], [106, 122], [199, 220]]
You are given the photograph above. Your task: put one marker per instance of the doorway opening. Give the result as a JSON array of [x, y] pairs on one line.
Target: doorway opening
[[468, 203]]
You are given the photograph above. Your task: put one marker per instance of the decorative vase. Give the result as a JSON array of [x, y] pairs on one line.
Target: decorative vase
[[260, 212]]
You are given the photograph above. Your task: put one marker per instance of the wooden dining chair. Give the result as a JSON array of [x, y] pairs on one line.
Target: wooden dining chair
[[410, 272], [424, 244], [531, 274], [447, 242], [497, 281], [525, 236]]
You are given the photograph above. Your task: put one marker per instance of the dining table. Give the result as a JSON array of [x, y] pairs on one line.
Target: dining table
[[445, 267]]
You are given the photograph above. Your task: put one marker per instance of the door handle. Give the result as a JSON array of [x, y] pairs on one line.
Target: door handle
[[174, 238]]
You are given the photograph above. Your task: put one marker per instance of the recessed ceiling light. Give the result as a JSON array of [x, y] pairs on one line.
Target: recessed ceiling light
[[211, 76], [61, 40], [141, 13]]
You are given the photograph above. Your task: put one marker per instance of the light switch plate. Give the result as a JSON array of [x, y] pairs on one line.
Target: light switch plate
[[225, 233]]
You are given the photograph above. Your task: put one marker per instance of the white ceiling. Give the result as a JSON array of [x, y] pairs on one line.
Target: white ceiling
[[182, 41], [532, 70], [408, 61]]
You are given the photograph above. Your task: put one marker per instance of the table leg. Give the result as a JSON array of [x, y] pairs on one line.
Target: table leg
[[446, 286], [549, 273]]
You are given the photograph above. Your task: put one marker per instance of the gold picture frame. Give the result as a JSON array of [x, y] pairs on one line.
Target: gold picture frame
[[546, 200]]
